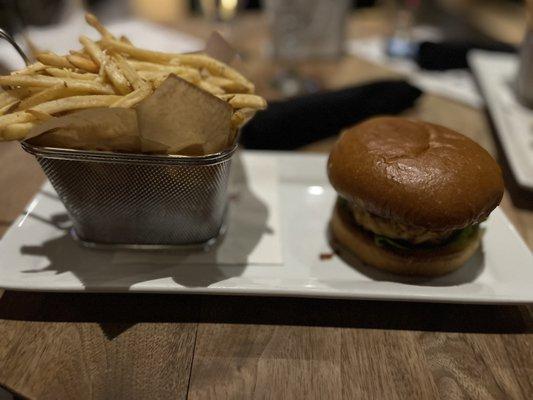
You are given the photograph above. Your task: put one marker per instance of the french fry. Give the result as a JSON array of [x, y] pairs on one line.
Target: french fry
[[210, 88], [141, 54], [132, 98], [8, 107], [187, 73], [15, 118], [48, 94], [23, 92], [76, 103], [17, 131], [146, 65], [157, 82], [125, 39], [26, 80], [40, 115], [78, 53], [47, 81], [101, 72], [159, 76], [240, 117], [113, 73], [215, 67], [11, 98], [54, 60], [66, 73], [152, 75], [7, 97], [195, 60], [130, 73], [226, 84], [93, 21], [36, 67], [58, 106], [83, 63], [149, 66], [244, 101]]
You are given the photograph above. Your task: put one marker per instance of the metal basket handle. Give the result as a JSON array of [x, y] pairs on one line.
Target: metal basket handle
[[6, 36]]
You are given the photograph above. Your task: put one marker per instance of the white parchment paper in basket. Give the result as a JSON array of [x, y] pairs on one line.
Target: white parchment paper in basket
[[254, 231], [177, 118]]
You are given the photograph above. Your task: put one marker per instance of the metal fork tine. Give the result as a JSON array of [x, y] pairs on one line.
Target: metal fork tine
[[9, 38]]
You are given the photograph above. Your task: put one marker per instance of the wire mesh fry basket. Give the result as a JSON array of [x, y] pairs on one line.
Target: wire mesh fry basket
[[141, 201]]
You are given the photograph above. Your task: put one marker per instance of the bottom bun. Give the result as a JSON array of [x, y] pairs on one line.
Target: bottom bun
[[346, 235]]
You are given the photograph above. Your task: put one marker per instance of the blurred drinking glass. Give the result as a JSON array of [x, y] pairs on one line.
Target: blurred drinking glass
[[220, 10], [303, 30], [400, 43], [222, 14], [524, 83]]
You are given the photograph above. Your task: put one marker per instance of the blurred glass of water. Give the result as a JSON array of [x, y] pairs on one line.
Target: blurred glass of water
[[221, 10], [304, 29], [524, 82]]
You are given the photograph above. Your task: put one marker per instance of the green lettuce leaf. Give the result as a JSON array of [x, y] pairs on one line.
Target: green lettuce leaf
[[384, 241], [458, 239]]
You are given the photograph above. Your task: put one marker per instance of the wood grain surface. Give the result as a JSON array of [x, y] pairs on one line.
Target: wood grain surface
[[106, 346], [316, 349], [60, 346]]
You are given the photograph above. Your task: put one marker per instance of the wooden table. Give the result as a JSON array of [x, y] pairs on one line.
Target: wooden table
[[107, 346]]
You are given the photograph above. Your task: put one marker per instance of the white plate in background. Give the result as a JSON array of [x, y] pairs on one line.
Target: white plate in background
[[455, 84], [38, 256], [496, 74]]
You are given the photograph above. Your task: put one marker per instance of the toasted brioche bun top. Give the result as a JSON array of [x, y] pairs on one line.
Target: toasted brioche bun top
[[416, 173]]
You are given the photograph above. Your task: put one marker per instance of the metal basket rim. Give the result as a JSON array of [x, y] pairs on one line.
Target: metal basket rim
[[116, 157]]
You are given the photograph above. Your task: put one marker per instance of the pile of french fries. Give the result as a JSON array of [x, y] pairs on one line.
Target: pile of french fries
[[111, 72]]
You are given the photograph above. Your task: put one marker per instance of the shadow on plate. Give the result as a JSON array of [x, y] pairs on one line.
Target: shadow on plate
[[114, 269], [466, 274]]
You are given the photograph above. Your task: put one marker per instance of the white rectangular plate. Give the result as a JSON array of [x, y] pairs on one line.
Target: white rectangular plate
[[496, 74], [36, 255]]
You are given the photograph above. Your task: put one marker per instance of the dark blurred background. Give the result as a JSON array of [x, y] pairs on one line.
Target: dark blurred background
[[458, 15]]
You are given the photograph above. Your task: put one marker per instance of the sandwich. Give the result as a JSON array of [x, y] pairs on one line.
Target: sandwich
[[411, 195]]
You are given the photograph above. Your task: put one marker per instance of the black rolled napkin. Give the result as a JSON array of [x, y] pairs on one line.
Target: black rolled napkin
[[452, 55], [289, 124]]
